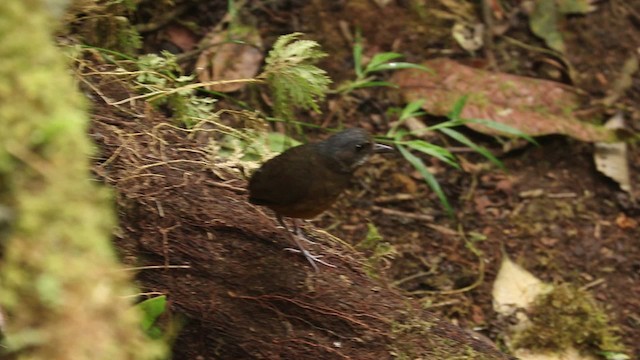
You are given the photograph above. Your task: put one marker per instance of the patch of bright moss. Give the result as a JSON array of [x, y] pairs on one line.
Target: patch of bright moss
[[569, 317]]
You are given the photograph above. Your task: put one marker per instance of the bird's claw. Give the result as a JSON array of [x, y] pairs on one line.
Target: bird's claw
[[313, 259]]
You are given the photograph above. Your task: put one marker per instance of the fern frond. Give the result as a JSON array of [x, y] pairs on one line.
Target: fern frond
[[292, 76]]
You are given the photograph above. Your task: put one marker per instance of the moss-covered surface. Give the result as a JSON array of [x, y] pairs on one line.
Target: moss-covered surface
[[61, 290], [569, 317]]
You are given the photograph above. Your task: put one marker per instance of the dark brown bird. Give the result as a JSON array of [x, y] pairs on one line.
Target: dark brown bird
[[306, 180]]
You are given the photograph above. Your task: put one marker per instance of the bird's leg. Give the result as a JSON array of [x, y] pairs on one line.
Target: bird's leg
[[313, 259], [298, 231]]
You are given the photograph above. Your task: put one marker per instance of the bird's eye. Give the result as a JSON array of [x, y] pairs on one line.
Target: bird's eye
[[361, 146]]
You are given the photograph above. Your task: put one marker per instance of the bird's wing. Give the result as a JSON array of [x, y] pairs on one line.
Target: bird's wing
[[283, 180]]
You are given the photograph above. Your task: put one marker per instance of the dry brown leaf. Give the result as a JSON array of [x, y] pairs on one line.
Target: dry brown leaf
[[226, 60], [625, 222], [535, 107], [182, 37]]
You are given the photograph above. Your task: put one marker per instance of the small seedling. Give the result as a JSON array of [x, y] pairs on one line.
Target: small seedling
[[151, 310], [366, 74]]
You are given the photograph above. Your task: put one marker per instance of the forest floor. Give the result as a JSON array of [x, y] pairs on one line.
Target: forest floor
[[550, 210]]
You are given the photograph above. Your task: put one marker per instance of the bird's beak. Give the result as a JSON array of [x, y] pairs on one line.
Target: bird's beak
[[379, 148]]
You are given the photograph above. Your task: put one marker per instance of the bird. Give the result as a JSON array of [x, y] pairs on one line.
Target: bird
[[304, 181]]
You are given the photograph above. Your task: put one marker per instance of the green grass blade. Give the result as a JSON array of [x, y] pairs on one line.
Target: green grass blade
[[381, 58], [436, 151], [397, 66], [372, 84], [456, 111], [357, 55], [411, 109], [459, 137], [502, 128], [428, 177], [442, 125]]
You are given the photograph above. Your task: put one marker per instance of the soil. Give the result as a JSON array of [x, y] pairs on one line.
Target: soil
[[551, 211]]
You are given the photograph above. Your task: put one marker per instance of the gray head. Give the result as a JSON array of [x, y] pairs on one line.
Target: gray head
[[350, 148]]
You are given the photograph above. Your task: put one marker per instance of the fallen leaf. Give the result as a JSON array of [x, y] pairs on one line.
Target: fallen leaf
[[549, 242], [181, 37], [625, 222], [407, 183], [469, 37], [611, 158], [533, 106], [226, 60], [515, 288], [482, 203], [544, 23]]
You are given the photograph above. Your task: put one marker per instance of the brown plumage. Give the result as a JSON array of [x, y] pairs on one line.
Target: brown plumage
[[306, 180]]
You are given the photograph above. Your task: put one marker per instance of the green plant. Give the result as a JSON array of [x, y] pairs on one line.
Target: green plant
[[379, 251], [569, 316], [160, 77], [366, 74], [292, 76], [407, 144], [290, 73], [151, 310]]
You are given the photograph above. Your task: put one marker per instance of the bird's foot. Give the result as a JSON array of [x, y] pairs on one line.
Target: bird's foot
[[298, 232], [313, 259]]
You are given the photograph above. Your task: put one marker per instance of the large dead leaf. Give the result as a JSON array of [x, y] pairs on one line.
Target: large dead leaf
[[535, 107], [230, 60]]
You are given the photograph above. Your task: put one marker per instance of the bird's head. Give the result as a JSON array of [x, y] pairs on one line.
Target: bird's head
[[350, 148]]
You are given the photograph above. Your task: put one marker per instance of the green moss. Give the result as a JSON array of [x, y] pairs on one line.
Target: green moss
[[569, 317], [378, 250], [61, 284], [416, 330]]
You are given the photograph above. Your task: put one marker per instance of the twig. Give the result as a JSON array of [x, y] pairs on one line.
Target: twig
[[404, 214]]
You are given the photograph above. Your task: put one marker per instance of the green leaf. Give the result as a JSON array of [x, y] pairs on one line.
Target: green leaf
[[151, 309], [457, 108], [502, 128], [372, 84], [381, 58], [433, 150], [445, 124], [419, 165], [293, 77], [411, 109], [397, 66], [454, 134], [357, 55]]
